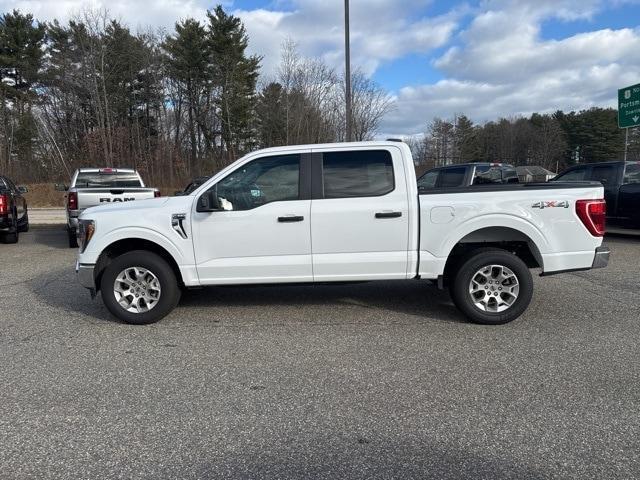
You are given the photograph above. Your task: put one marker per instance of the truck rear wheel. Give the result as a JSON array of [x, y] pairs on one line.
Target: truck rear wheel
[[139, 287], [492, 286]]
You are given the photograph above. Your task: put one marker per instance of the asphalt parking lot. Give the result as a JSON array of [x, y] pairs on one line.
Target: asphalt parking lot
[[380, 380]]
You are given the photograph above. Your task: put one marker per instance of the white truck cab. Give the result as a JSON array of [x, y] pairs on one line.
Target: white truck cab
[[339, 213]]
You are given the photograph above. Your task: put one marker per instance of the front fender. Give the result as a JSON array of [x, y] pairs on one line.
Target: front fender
[[98, 244]]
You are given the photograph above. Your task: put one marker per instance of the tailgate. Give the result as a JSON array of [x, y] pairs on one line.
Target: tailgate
[[90, 197]]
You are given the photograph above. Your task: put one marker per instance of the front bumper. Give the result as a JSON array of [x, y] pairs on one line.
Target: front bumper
[[85, 274], [601, 259]]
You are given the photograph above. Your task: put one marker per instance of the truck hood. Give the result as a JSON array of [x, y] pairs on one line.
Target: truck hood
[[131, 210]]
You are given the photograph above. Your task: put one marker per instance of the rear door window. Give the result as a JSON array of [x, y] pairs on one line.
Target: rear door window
[[428, 180], [366, 173], [451, 177], [605, 174]]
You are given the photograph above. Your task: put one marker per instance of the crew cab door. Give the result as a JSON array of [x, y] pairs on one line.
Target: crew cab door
[[610, 175], [261, 232], [359, 215]]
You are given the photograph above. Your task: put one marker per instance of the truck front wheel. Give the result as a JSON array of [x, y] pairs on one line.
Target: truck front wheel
[[139, 287], [492, 286]]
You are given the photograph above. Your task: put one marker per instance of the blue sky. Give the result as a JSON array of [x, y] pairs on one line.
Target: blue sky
[[486, 59]]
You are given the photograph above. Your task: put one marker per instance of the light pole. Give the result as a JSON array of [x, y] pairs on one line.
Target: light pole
[[347, 72]]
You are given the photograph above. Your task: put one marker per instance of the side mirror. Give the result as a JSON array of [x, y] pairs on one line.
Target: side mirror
[[604, 181], [208, 202], [60, 187], [23, 189]]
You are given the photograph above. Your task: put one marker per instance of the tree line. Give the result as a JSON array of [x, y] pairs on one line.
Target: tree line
[[175, 105], [553, 141], [90, 92]]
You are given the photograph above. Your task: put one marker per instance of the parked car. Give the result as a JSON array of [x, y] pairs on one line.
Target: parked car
[[14, 214], [465, 174], [339, 213], [195, 183], [94, 186], [621, 181]]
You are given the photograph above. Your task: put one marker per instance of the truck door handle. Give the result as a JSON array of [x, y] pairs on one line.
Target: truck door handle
[[388, 214], [291, 218]]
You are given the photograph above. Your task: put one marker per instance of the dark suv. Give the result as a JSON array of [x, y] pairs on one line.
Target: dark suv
[[621, 182], [14, 217]]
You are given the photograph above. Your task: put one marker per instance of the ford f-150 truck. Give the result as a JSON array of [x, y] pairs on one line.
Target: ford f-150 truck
[[347, 212], [96, 186]]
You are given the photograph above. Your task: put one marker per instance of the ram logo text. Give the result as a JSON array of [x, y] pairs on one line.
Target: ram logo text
[[552, 204], [125, 199]]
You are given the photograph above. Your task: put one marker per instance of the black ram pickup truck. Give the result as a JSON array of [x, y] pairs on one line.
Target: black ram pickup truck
[[14, 217], [621, 181]]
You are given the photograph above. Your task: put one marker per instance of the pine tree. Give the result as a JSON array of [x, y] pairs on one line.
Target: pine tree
[[188, 54], [235, 75]]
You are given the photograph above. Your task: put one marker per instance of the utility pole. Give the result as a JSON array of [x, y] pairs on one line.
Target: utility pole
[[626, 142], [347, 72]]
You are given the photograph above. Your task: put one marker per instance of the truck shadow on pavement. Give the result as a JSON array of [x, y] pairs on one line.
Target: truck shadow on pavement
[[376, 457], [375, 302], [381, 301]]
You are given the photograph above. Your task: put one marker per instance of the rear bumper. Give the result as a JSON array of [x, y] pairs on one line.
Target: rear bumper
[[601, 259], [5, 223]]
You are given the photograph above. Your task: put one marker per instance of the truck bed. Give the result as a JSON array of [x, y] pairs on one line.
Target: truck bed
[[540, 215]]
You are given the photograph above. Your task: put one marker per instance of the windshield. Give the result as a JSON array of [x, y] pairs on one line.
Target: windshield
[[96, 179]]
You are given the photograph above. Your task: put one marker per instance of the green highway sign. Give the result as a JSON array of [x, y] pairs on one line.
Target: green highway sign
[[629, 106]]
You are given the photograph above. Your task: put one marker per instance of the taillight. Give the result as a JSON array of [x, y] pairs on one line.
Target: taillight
[[4, 204], [592, 213], [72, 201], [157, 193]]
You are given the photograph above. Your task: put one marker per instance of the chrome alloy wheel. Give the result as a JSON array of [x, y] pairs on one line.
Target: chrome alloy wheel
[[494, 288], [137, 289]]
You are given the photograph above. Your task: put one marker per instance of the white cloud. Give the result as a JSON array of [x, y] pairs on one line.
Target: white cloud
[[380, 31], [136, 14], [502, 67]]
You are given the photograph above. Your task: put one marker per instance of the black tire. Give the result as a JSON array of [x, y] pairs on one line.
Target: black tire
[[24, 227], [13, 235], [471, 265], [73, 239], [170, 292]]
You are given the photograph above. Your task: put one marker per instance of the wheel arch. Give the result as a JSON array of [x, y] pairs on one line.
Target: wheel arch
[[511, 239], [119, 247]]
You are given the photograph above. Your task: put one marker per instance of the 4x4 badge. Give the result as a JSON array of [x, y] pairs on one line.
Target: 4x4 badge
[[551, 204]]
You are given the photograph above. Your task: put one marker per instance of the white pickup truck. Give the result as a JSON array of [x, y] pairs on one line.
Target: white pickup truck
[[340, 213], [96, 186]]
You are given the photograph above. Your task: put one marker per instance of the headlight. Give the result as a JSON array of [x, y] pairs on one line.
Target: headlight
[[86, 229]]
